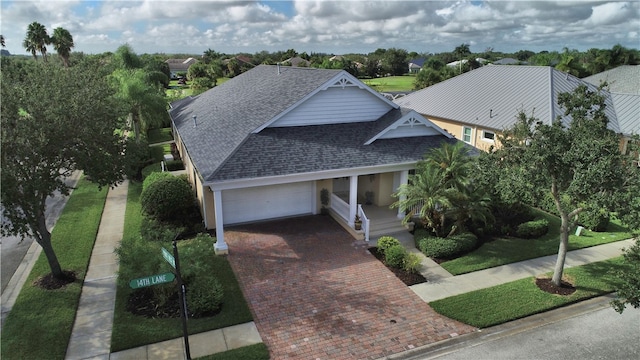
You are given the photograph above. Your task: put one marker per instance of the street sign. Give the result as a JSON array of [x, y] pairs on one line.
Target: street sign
[[152, 280], [167, 256]]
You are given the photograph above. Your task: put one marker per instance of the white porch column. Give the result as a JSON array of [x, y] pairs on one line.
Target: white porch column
[[404, 179], [353, 199], [220, 246]]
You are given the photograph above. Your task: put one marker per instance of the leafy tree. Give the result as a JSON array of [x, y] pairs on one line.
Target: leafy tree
[[578, 165], [2, 40], [395, 61], [144, 101], [209, 55], [629, 292], [36, 40], [62, 43], [47, 135], [126, 58], [569, 62]]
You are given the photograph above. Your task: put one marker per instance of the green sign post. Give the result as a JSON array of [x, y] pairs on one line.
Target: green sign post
[[168, 257], [152, 280]]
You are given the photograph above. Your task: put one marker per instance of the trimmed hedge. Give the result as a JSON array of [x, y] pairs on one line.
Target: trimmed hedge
[[394, 256], [166, 198], [533, 229], [386, 242], [153, 177], [445, 248]]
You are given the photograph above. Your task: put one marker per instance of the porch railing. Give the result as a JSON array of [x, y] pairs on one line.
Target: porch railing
[[365, 222], [340, 207]]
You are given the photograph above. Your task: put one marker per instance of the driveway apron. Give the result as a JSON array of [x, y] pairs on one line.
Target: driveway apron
[[315, 293]]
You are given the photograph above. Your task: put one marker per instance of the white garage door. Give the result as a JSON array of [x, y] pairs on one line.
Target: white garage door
[[267, 202]]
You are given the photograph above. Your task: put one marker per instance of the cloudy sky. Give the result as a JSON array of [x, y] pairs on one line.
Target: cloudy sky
[[158, 26]]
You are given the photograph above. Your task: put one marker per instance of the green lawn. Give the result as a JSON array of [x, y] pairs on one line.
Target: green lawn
[[131, 331], [40, 323], [520, 298], [391, 83], [503, 251], [157, 152], [159, 135]]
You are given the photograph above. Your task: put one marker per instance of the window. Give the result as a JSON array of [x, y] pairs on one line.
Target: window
[[466, 134], [488, 135]]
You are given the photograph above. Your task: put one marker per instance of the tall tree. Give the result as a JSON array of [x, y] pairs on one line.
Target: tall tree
[[579, 166], [62, 43], [46, 135], [36, 40], [2, 40], [628, 292], [144, 101]]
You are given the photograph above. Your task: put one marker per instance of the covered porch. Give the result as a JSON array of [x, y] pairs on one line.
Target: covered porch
[[367, 198]]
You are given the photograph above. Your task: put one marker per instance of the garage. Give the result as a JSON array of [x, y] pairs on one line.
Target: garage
[[267, 202]]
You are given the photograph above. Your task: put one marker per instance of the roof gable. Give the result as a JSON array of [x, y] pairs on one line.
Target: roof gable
[[324, 100], [410, 124]]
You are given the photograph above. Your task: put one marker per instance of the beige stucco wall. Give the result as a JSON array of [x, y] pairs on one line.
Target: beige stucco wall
[[455, 128], [385, 189]]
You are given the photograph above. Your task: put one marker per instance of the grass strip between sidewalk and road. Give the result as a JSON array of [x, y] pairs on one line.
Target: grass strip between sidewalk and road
[[40, 323], [501, 251], [131, 331], [521, 298]]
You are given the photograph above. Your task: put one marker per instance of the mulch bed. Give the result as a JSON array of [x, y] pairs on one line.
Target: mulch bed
[[406, 277], [142, 302], [565, 288], [49, 282]]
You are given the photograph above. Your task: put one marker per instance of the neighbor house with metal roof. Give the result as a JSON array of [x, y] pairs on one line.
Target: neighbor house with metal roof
[[265, 145], [477, 105]]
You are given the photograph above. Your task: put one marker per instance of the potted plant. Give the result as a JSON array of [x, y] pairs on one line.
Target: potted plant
[[324, 200], [357, 223]]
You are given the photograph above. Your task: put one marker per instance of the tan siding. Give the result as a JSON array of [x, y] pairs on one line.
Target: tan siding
[[385, 189]]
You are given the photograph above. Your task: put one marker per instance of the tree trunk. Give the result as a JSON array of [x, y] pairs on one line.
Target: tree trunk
[[43, 238], [562, 249]]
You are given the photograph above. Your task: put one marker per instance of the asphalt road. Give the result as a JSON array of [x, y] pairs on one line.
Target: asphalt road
[[599, 334], [14, 248]]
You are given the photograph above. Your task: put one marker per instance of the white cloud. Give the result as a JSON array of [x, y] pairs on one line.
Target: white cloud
[[327, 26]]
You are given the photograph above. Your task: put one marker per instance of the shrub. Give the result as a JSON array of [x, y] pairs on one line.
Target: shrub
[[153, 230], [594, 219], [411, 263], [166, 198], [153, 177], [174, 165], [533, 229], [444, 248], [205, 294], [394, 256], [386, 242]]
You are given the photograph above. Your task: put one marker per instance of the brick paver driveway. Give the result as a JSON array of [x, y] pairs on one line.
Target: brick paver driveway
[[317, 294]]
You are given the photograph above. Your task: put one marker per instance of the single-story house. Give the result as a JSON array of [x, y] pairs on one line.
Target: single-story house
[[177, 66], [297, 61], [476, 105], [415, 65], [266, 143]]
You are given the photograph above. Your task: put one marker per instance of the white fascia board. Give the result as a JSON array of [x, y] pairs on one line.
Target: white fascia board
[[320, 175], [330, 83]]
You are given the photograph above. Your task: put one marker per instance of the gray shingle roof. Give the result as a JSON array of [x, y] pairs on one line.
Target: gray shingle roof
[[227, 114], [305, 149], [622, 79], [492, 96]]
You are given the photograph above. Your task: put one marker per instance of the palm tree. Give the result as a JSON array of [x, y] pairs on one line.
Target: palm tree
[[37, 39], [452, 162], [62, 43]]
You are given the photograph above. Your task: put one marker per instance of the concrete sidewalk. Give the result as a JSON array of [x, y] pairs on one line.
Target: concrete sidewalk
[[442, 287], [91, 333]]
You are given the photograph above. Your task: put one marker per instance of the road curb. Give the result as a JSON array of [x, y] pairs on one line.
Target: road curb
[[504, 330]]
